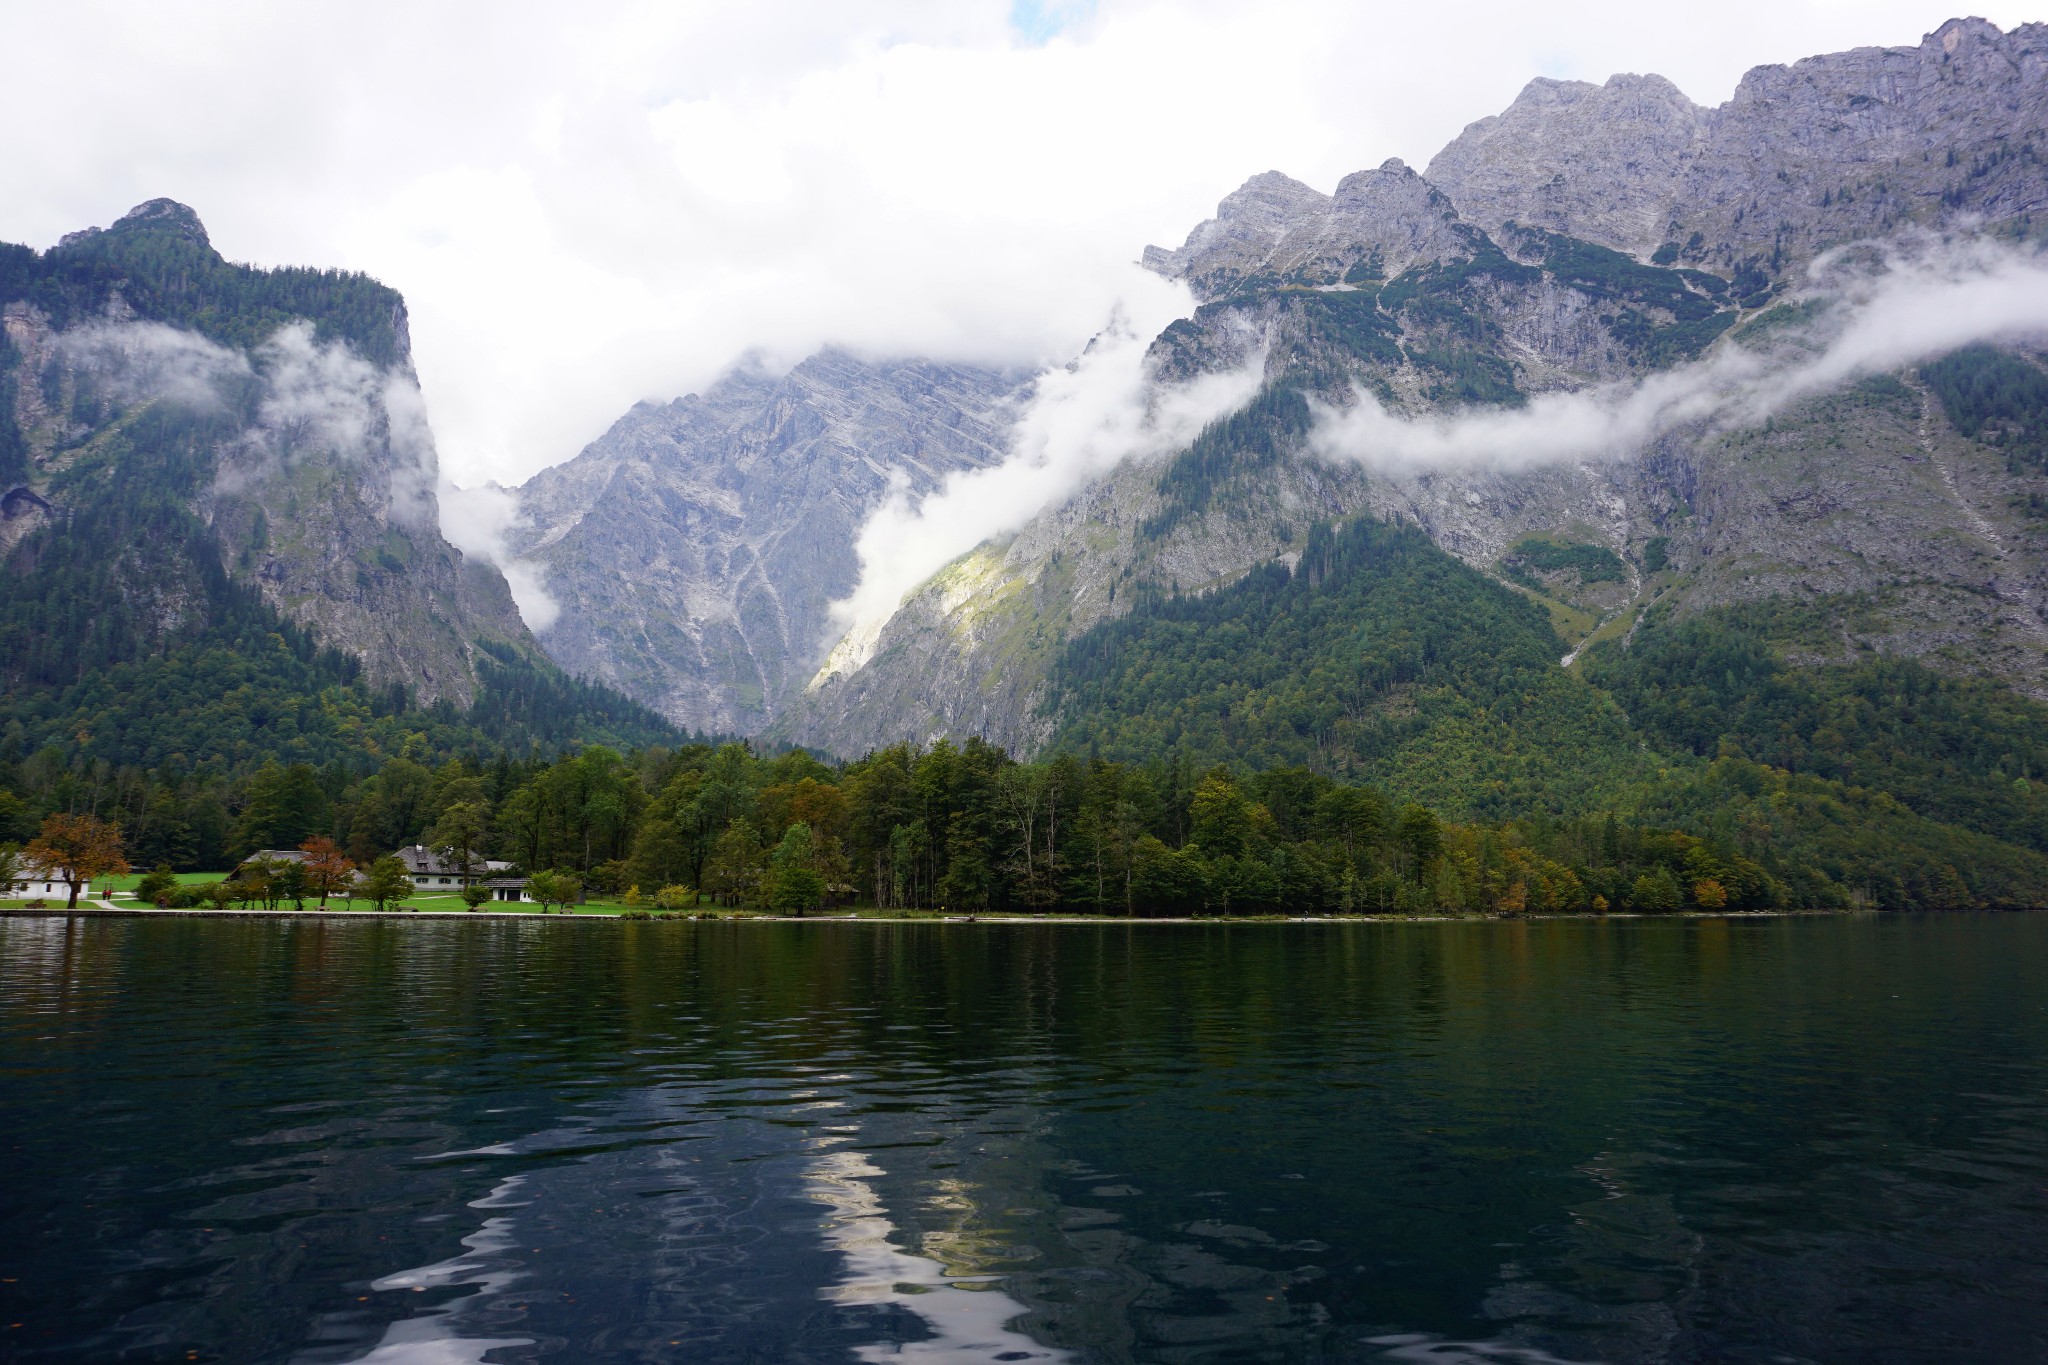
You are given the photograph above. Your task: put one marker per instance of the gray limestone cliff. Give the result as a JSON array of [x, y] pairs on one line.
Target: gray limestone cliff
[[1803, 157], [698, 545], [1273, 229], [1829, 150]]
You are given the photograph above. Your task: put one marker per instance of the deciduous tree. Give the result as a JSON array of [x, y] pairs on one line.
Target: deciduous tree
[[386, 882], [78, 848], [328, 869]]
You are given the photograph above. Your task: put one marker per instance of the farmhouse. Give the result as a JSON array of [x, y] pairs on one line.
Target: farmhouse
[[430, 869], [267, 855]]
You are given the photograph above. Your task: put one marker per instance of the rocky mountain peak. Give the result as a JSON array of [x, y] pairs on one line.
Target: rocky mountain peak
[[164, 215], [153, 215], [1269, 193], [1567, 154], [1249, 222], [1378, 223], [1361, 188]]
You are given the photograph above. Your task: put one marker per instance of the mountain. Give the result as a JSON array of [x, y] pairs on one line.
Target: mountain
[[1838, 148], [1588, 236], [1556, 255], [698, 544], [218, 520], [1835, 149]]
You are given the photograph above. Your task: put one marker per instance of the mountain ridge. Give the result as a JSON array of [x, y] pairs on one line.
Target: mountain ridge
[[216, 472]]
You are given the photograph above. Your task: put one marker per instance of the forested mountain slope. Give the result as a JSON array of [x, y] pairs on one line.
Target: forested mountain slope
[[1377, 658], [219, 533]]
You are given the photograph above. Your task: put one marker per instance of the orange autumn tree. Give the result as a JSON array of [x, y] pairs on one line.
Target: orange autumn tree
[[327, 867], [77, 848]]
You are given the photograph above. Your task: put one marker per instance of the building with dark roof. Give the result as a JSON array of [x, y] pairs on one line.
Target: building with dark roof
[[431, 870]]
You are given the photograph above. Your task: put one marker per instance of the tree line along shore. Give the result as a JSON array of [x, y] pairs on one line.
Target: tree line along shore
[[964, 829]]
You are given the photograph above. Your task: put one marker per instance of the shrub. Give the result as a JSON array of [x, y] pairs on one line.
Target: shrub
[[1592, 563], [156, 887]]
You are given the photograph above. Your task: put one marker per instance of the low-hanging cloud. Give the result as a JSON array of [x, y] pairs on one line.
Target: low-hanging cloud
[[322, 400], [309, 399], [479, 522], [1082, 421], [303, 398], [1871, 311], [328, 399], [136, 362]]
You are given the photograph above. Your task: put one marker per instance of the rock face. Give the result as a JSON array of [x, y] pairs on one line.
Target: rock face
[[1803, 157], [697, 546], [1567, 155], [1807, 156], [309, 461], [1274, 229]]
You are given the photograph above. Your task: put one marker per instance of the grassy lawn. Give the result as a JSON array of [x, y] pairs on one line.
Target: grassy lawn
[[448, 901], [127, 883], [437, 900]]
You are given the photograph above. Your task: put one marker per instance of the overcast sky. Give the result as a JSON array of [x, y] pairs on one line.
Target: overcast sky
[[586, 205]]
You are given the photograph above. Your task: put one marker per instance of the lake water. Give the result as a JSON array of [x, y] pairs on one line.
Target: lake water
[[1780, 1140]]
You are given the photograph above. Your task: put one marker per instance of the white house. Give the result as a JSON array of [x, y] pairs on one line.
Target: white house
[[33, 881], [430, 870]]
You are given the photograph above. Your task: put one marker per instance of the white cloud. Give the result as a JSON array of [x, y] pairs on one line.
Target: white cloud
[[138, 361], [589, 205], [479, 522], [320, 399], [321, 402], [1082, 420], [1878, 312]]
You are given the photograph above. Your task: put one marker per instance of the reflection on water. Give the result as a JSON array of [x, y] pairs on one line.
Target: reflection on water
[[1427, 1350], [434, 1337], [1546, 1144], [967, 1316]]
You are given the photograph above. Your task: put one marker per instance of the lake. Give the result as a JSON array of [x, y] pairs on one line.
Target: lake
[[1773, 1140]]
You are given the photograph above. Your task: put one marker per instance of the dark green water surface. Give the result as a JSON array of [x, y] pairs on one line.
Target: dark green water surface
[[1777, 1140]]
